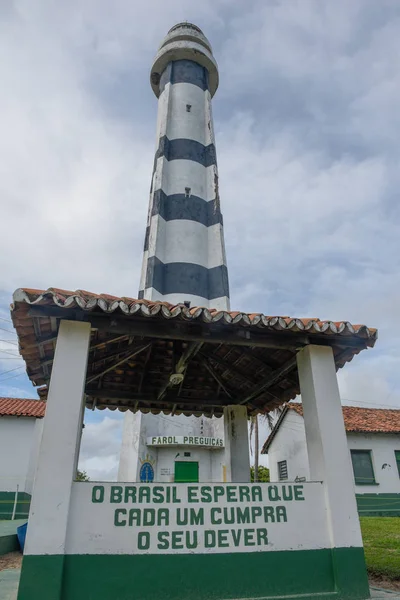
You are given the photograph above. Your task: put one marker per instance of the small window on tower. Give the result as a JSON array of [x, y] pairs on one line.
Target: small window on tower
[[187, 192], [188, 107]]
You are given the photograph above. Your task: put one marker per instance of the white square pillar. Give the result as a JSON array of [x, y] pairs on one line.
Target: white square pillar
[[59, 448], [327, 443], [236, 433]]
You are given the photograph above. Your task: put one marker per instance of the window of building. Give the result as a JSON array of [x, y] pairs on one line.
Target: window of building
[[397, 455], [282, 470], [188, 107], [362, 467], [187, 192]]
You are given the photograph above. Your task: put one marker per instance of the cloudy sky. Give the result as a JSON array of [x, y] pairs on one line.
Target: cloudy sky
[[307, 125]]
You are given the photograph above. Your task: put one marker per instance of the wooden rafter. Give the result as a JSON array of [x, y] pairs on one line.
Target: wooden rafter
[[271, 380], [131, 354]]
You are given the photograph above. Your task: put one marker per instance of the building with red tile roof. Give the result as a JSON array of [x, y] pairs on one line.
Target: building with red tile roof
[[20, 407], [373, 438], [21, 422]]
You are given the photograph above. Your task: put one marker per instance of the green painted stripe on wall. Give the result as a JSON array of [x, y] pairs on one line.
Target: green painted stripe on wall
[[378, 505], [316, 574], [8, 543]]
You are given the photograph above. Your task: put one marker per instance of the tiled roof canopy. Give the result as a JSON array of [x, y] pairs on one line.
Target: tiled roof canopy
[[18, 407], [136, 345], [357, 419]]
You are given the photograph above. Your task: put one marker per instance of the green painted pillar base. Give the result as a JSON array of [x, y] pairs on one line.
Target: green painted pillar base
[[41, 577], [325, 574], [350, 573]]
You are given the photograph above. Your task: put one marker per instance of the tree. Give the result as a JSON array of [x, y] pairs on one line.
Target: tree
[[263, 474], [269, 418], [81, 476]]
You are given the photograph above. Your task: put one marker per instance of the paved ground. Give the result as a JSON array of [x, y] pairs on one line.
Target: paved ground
[[9, 584]]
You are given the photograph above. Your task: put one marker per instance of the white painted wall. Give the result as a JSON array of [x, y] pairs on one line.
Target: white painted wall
[[383, 461], [290, 444], [134, 450], [17, 443], [91, 528]]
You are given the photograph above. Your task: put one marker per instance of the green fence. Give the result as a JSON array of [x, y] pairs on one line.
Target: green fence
[[8, 501], [378, 505]]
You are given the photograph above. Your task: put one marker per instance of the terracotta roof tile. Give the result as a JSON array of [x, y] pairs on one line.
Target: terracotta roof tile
[[88, 301], [357, 419], [19, 407], [241, 366], [365, 420]]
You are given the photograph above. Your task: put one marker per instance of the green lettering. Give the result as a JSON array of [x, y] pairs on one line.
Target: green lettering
[[163, 516], [177, 540], [98, 494], [135, 517], [229, 515], [213, 513], [298, 492], [192, 493], [116, 494], [153, 440], [130, 493], [149, 517], [219, 491], [163, 543], [191, 543], [262, 537], [190, 440], [256, 493], [231, 493], [255, 513], [273, 493], [182, 516], [119, 512], [158, 496], [287, 493], [236, 535], [269, 514], [223, 538], [243, 515], [197, 517], [244, 493], [209, 538], [249, 537], [206, 493], [281, 514], [144, 494], [144, 540]]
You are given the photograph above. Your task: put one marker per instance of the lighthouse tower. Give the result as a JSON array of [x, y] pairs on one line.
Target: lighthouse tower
[[184, 254]]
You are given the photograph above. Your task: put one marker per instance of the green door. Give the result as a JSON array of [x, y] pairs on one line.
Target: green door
[[186, 472]]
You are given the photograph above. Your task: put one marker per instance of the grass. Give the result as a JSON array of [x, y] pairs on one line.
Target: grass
[[381, 536]]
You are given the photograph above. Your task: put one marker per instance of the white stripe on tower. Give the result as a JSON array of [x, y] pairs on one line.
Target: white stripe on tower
[[184, 254]]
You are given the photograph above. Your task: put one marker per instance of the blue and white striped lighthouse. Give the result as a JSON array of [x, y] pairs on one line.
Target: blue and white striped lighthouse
[[184, 253]]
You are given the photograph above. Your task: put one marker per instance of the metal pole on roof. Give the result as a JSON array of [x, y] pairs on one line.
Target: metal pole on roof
[[15, 503]]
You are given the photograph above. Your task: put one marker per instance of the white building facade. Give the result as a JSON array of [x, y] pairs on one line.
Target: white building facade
[[373, 443], [21, 424]]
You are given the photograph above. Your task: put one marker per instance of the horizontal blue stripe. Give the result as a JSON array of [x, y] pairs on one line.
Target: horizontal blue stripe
[[183, 149], [187, 278], [193, 208], [146, 239], [184, 71]]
